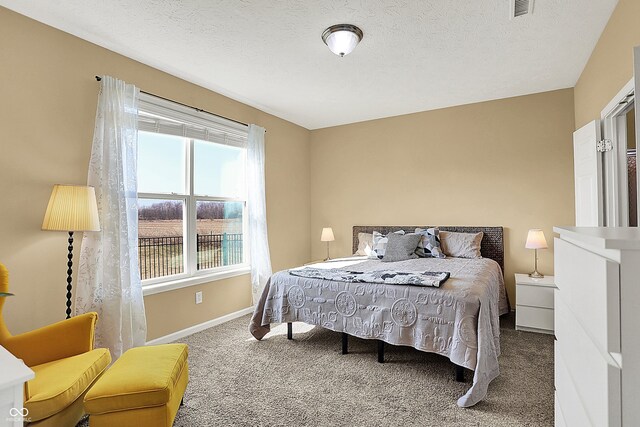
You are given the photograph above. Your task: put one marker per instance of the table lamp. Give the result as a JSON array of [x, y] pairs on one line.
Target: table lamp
[[535, 241], [327, 236], [71, 208]]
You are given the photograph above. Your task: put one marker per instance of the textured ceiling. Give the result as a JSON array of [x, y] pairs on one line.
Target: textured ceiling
[[415, 56]]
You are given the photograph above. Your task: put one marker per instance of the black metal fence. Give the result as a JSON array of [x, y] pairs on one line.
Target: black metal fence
[[164, 256], [215, 250], [160, 256]]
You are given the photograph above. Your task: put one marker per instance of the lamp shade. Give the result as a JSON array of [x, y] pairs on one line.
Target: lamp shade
[[327, 235], [72, 208], [341, 39], [536, 240]]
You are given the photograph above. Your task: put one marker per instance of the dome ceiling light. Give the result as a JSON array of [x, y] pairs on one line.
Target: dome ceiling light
[[342, 38]]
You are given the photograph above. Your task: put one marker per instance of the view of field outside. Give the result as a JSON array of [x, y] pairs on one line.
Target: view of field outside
[[160, 228], [218, 171], [160, 236]]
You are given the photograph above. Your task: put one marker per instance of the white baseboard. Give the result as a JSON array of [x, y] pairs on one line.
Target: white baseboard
[[200, 327]]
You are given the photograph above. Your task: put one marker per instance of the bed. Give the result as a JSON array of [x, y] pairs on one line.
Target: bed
[[459, 320]]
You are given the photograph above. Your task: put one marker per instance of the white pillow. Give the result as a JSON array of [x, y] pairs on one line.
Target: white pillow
[[365, 244], [380, 244], [461, 245]]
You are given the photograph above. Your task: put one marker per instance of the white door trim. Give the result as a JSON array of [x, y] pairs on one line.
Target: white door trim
[[636, 76], [614, 163], [627, 89]]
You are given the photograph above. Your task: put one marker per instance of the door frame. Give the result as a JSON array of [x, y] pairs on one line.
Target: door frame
[[614, 162], [636, 77]]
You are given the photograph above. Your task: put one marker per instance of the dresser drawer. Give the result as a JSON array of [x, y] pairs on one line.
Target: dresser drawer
[[590, 286], [583, 372], [534, 296], [534, 318], [559, 418], [568, 403]]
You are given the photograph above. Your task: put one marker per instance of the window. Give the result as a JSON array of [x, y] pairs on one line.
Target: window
[[191, 193]]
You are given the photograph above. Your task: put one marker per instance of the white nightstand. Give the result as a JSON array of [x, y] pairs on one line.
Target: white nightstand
[[534, 303]]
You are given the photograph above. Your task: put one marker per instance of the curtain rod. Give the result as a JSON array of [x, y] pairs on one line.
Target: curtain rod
[[98, 78]]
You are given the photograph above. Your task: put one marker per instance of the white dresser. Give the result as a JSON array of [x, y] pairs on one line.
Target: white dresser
[[13, 374], [597, 327], [534, 303]]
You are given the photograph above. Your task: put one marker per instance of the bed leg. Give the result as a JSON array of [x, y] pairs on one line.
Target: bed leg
[[459, 373], [345, 343], [380, 351], [289, 330]]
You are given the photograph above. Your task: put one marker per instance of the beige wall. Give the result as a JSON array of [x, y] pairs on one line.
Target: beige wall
[[48, 98], [506, 162], [611, 64]]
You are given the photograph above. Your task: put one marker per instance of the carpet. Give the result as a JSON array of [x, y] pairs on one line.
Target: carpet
[[238, 381]]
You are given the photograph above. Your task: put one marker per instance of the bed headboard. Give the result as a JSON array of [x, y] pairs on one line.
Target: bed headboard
[[492, 245]]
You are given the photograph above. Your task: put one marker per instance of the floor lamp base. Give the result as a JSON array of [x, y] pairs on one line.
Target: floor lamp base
[[69, 273]]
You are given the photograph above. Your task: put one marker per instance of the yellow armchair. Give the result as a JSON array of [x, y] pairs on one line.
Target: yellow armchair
[[64, 361]]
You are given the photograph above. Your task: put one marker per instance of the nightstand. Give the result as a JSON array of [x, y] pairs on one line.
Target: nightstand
[[534, 303]]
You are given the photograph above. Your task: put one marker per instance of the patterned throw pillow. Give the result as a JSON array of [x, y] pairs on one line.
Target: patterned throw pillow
[[380, 244], [429, 246], [401, 247]]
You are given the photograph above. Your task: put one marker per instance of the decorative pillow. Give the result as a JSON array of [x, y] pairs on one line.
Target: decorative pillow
[[429, 246], [380, 244], [365, 244], [461, 245], [401, 247]]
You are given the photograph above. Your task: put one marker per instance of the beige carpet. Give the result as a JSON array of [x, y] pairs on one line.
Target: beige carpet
[[238, 381]]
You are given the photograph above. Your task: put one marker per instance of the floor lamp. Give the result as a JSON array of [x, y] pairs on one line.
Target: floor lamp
[[71, 208]]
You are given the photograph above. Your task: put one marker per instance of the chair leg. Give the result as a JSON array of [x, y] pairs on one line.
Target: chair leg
[[380, 351], [459, 373], [345, 343], [182, 401], [289, 330]]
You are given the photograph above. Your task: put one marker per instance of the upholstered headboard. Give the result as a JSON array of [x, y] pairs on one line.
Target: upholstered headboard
[[492, 245]]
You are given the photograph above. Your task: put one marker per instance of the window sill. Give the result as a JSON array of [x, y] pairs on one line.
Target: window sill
[[157, 288]]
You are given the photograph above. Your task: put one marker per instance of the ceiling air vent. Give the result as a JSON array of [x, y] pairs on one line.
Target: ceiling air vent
[[520, 7]]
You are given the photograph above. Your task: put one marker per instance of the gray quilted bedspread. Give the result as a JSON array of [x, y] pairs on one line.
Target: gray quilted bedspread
[[459, 320]]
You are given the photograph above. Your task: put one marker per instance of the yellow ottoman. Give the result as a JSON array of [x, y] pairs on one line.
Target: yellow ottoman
[[142, 388]]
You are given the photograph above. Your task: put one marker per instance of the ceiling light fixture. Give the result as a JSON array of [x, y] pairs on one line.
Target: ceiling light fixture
[[342, 38]]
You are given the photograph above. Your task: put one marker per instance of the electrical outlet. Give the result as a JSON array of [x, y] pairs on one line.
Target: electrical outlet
[[199, 297]]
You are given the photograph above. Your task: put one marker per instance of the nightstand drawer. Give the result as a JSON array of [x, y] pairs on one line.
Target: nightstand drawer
[[534, 296], [534, 318]]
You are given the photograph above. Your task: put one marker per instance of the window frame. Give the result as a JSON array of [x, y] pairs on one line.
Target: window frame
[[151, 105]]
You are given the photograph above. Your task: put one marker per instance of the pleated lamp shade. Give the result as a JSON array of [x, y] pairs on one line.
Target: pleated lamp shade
[[72, 208]]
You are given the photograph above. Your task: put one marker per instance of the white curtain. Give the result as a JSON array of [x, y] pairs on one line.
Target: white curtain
[[258, 239], [108, 276]]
